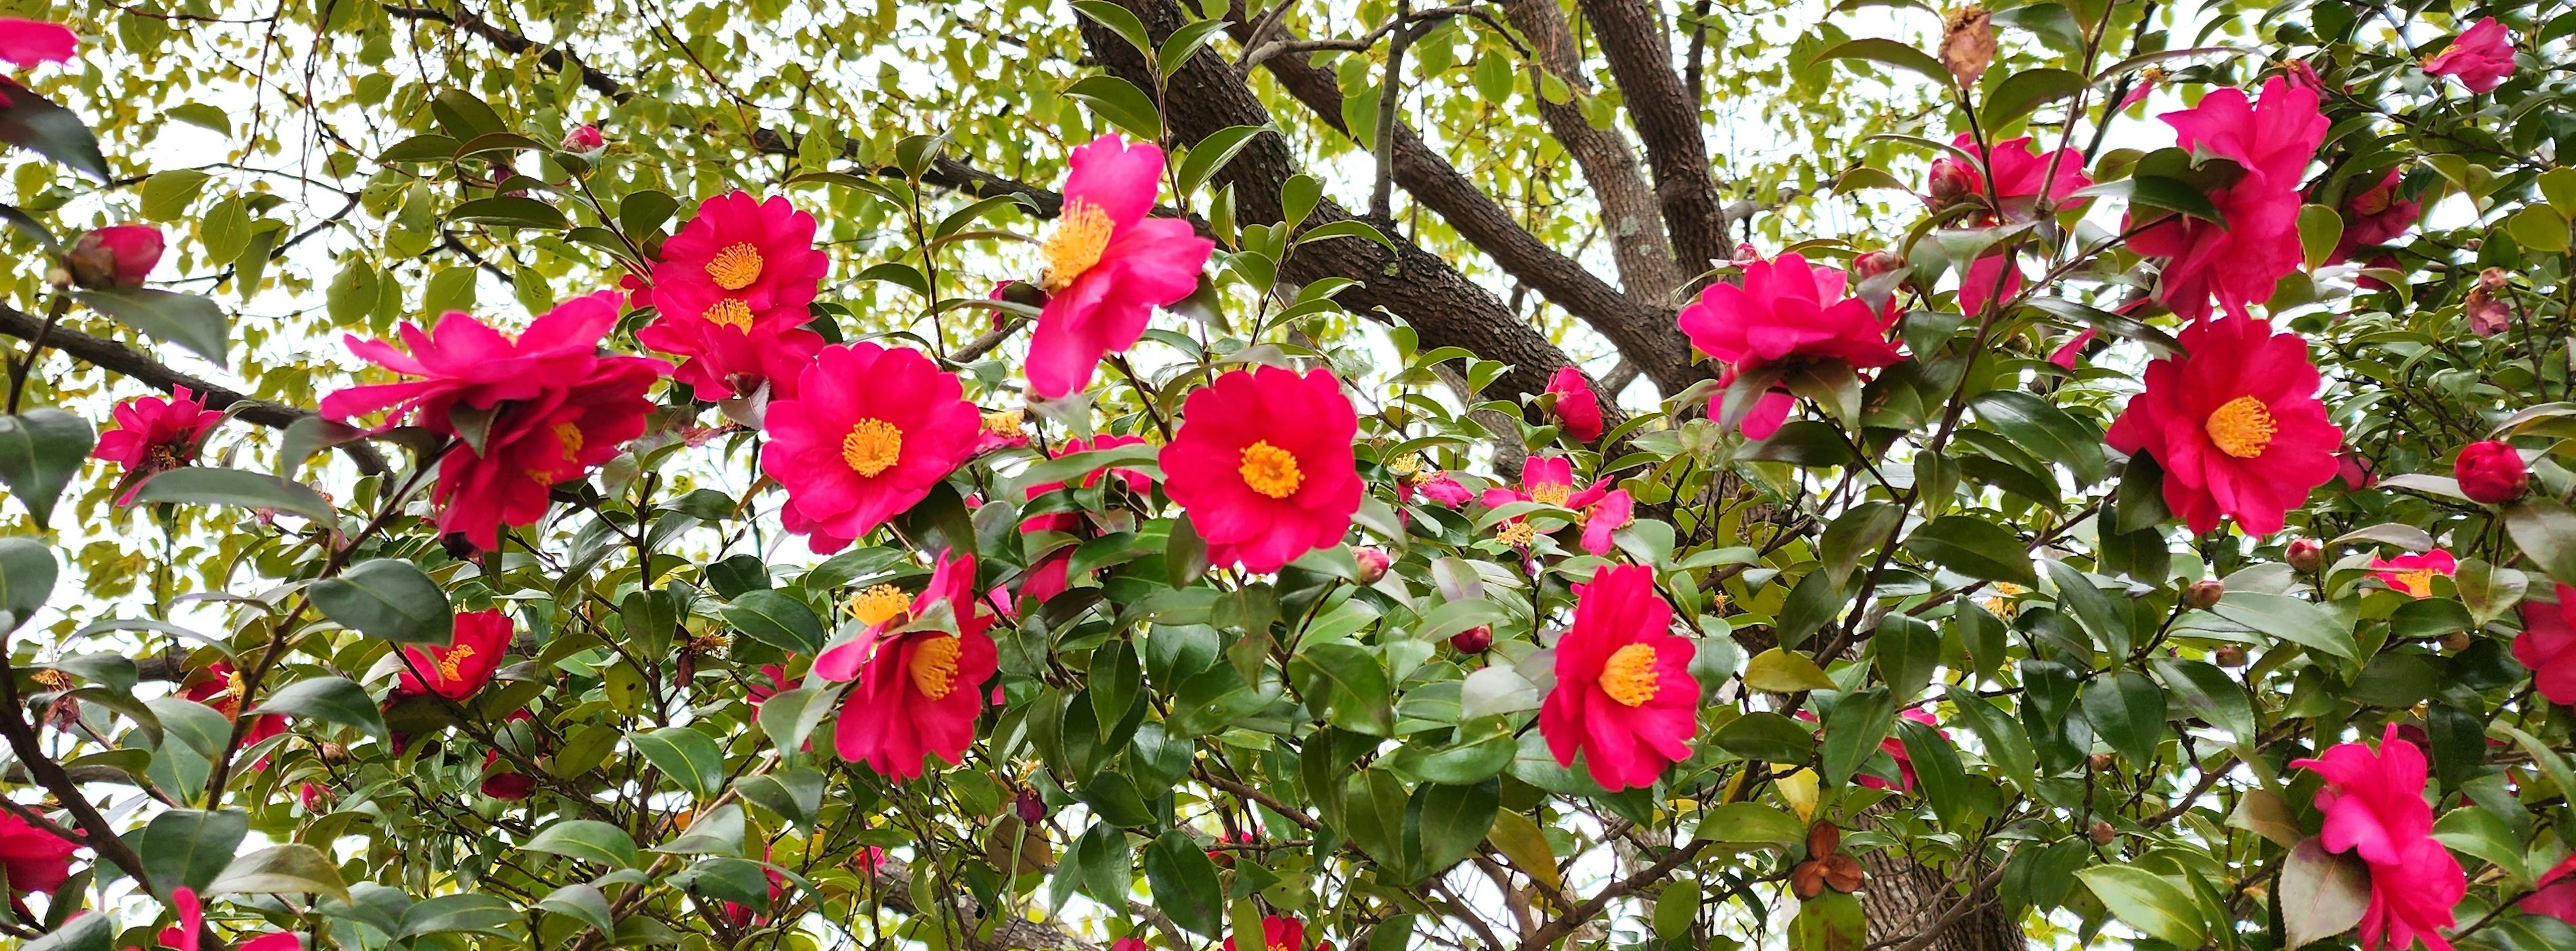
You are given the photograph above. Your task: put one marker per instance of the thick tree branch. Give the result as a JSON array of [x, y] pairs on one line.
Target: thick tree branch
[[1629, 213], [118, 358], [1643, 332], [1640, 52]]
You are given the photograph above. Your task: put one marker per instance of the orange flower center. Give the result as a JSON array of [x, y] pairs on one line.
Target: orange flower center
[[2418, 582], [451, 662], [735, 267], [1006, 424], [934, 666], [730, 312], [2242, 428], [1517, 534], [872, 446], [1551, 493], [1080, 236], [874, 605], [1270, 470], [568, 435], [1629, 675]]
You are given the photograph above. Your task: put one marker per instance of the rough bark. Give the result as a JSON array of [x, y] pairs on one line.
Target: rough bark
[[1630, 214], [1904, 899], [1640, 52]]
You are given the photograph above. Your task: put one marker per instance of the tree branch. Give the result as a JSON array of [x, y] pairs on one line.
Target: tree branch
[[1641, 58], [1629, 212]]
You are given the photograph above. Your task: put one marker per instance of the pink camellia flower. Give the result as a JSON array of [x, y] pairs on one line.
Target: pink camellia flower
[[1002, 429], [2554, 894], [2490, 471], [2356, 470], [2027, 184], [2481, 57], [35, 860], [28, 42], [2066, 353], [2375, 216], [919, 689], [1128, 944], [314, 796], [1373, 563], [2236, 262], [1440, 487], [526, 454], [1282, 934], [1624, 696], [2412, 574], [1263, 465], [1108, 265], [2235, 424], [154, 435], [220, 688], [464, 362], [1786, 313], [1550, 479], [870, 431], [1576, 406], [2374, 807], [742, 264], [723, 361], [2547, 645], [116, 256], [462, 667], [191, 926], [585, 142]]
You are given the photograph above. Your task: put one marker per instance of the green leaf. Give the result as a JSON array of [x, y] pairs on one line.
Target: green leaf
[[1976, 548], [2005, 744], [582, 902], [27, 570], [1938, 774], [166, 195], [2209, 694], [2045, 431], [188, 320], [1454, 819], [790, 716], [1212, 153], [2320, 229], [2156, 191], [2289, 619], [1350, 682], [778, 620], [2558, 186], [795, 793], [1120, 102], [390, 599], [2147, 902], [1345, 228], [1184, 883], [510, 211], [2128, 712], [1782, 671], [2539, 228], [2546, 532], [35, 123], [1767, 736], [1116, 677], [1182, 44], [331, 700], [291, 868], [1750, 823], [241, 488], [187, 847], [40, 451], [586, 839], [2322, 894], [85, 933], [463, 912], [2024, 92], [1892, 53], [1120, 21], [1853, 731], [689, 757]]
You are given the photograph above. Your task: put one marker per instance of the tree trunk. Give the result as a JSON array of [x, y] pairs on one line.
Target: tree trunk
[[1904, 899]]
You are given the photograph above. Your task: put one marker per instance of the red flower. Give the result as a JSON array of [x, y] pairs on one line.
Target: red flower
[[918, 691], [507, 784], [465, 362], [1002, 429], [869, 434], [2491, 472], [1282, 934], [2481, 57], [1127, 944], [584, 141], [155, 435], [1550, 479], [768, 681], [1107, 264], [2547, 645], [27, 42], [1263, 465], [1440, 487], [2065, 354], [1576, 406], [220, 688], [1786, 313], [2236, 426], [2554, 894], [462, 667], [2374, 807], [723, 361], [743, 264], [2413, 574], [1624, 695], [2374, 216], [1894, 748], [2024, 177], [2240, 260], [35, 860], [192, 922], [117, 256]]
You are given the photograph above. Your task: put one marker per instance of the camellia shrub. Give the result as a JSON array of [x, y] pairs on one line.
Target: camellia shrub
[[1162, 474]]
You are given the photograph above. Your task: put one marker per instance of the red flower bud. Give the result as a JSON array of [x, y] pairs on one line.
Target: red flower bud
[[1473, 640], [1951, 180], [2203, 594], [2230, 656], [2491, 472], [115, 256], [2102, 833], [1030, 808], [585, 141], [1875, 263], [2305, 555], [1373, 563]]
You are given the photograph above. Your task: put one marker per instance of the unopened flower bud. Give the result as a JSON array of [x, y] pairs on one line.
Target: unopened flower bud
[[1473, 640], [2305, 555], [1875, 263], [2230, 656], [1968, 44], [585, 142], [2203, 594], [1950, 182], [2491, 472], [2101, 762], [117, 256], [1030, 808], [1373, 563], [2103, 833], [2456, 641]]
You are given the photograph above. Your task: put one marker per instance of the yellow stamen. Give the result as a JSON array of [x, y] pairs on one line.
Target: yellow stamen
[[1080, 236], [2418, 582], [1006, 423], [872, 446], [1270, 470], [1517, 534], [1405, 466], [2242, 428], [735, 267], [569, 436], [730, 312], [1629, 675], [451, 662], [934, 665], [874, 605], [1551, 493]]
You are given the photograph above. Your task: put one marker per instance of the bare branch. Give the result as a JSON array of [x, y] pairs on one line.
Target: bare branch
[[1640, 52]]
